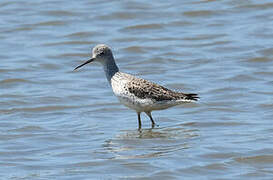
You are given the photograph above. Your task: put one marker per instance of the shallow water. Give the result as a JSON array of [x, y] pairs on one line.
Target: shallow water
[[60, 124]]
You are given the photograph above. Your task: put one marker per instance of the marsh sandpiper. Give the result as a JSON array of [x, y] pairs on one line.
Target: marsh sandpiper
[[138, 94]]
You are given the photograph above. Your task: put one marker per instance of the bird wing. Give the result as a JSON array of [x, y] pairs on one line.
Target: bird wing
[[145, 89]]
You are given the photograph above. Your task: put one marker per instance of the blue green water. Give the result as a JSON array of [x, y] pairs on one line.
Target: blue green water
[[60, 124]]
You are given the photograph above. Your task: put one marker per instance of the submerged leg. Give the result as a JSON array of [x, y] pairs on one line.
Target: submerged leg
[[151, 118], [139, 120]]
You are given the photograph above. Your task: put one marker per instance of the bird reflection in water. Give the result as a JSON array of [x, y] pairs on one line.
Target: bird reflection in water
[[132, 144]]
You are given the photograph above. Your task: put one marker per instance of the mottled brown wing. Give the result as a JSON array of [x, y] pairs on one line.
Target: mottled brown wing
[[145, 89]]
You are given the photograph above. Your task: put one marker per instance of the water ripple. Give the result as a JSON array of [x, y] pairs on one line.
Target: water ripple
[[65, 124]]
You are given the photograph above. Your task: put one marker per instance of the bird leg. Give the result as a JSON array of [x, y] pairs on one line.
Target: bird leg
[[151, 118], [139, 120]]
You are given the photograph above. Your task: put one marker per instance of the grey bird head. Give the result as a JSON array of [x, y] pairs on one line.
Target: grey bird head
[[100, 53]]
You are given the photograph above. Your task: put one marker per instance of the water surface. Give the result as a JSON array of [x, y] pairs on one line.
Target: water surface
[[60, 124]]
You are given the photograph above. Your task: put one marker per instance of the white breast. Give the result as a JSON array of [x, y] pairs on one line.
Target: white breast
[[118, 83]]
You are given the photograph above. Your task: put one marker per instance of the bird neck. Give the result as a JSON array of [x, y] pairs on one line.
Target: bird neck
[[110, 68]]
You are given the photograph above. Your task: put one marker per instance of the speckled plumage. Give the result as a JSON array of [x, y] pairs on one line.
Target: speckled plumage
[[142, 95], [136, 93]]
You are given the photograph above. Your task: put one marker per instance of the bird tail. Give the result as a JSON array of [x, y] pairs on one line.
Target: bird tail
[[191, 97], [183, 97]]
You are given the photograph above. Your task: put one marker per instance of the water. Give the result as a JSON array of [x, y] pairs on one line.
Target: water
[[60, 124]]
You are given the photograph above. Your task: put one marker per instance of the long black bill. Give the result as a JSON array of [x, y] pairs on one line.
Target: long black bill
[[89, 61]]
